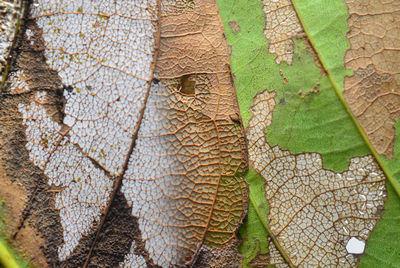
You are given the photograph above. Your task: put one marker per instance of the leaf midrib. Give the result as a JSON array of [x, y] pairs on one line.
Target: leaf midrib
[[378, 157], [118, 182]]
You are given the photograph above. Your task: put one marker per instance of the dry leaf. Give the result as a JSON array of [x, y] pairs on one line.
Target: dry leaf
[[127, 118]]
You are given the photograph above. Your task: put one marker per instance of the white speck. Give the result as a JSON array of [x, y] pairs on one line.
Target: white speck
[[355, 246], [29, 33]]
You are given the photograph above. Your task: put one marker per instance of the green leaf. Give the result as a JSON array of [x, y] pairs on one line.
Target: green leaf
[[382, 249], [253, 230], [311, 114]]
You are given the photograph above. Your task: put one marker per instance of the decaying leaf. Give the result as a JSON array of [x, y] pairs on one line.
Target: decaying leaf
[[314, 212], [126, 108], [374, 56]]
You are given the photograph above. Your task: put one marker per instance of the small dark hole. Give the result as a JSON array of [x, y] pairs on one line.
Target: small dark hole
[[187, 85]]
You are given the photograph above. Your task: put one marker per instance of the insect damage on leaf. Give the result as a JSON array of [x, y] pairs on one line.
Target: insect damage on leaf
[[142, 137], [281, 26], [313, 212], [373, 91]]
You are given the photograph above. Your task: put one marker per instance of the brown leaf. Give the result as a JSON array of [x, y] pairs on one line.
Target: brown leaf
[[131, 156], [373, 92]]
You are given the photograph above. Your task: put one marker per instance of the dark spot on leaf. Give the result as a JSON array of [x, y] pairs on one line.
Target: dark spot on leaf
[[235, 118], [234, 26], [314, 90], [68, 88], [282, 101], [155, 81]]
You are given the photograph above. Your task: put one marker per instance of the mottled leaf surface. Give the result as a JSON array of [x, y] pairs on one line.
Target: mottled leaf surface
[[323, 186], [134, 143]]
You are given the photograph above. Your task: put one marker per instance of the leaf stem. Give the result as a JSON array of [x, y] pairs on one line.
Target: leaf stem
[[378, 157], [5, 257], [266, 227]]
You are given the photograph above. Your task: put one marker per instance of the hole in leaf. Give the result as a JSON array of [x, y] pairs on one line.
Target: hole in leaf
[[187, 85]]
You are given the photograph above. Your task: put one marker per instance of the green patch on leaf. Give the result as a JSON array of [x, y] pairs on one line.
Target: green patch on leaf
[[310, 115], [325, 24], [384, 244], [383, 247], [253, 231]]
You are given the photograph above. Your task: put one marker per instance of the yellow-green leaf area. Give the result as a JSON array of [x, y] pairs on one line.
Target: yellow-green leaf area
[[383, 246], [325, 24], [9, 258], [382, 249], [253, 231]]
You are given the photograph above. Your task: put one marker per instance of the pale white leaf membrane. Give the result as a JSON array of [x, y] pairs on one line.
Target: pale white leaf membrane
[[85, 188], [133, 260], [281, 26], [103, 50], [160, 183]]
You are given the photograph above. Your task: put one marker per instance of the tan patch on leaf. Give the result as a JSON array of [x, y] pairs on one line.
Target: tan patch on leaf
[[234, 26], [224, 256], [313, 212], [373, 93], [260, 261], [28, 242], [14, 196], [281, 26]]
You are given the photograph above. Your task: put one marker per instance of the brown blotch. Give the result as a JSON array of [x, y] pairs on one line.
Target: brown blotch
[[260, 261], [374, 99], [234, 26], [372, 93], [187, 85]]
